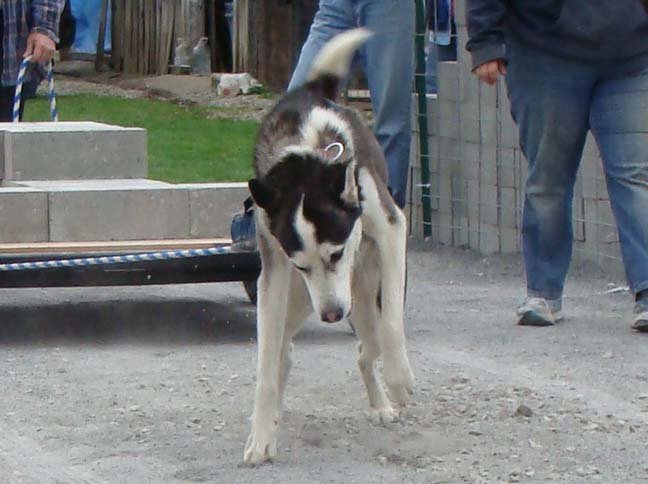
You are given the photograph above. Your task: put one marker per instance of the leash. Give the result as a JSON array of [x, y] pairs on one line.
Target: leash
[[116, 259], [89, 261], [51, 94]]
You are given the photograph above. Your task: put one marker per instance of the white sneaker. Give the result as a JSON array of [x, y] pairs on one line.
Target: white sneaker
[[640, 316], [537, 311]]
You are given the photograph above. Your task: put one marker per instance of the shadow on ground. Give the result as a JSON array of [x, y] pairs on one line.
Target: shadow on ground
[[179, 320]]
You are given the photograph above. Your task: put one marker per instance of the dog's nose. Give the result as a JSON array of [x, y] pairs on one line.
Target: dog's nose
[[332, 315]]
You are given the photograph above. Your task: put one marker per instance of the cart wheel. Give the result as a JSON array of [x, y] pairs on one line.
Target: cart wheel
[[251, 290]]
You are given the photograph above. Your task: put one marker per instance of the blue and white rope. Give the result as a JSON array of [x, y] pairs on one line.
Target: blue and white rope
[[115, 259], [51, 94]]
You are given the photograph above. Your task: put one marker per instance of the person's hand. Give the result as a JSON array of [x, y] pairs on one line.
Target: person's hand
[[40, 47], [489, 71]]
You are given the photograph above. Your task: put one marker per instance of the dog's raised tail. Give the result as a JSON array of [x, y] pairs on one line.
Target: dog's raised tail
[[333, 62]]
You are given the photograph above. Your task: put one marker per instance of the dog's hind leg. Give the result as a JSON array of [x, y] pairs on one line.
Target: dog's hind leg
[[271, 320], [365, 316], [299, 308]]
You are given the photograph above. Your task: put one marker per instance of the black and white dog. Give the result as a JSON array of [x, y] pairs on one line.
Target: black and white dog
[[331, 241]]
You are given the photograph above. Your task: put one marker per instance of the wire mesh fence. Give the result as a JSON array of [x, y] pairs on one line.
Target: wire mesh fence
[[475, 189]]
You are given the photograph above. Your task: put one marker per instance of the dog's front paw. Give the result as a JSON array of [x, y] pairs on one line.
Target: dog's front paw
[[261, 446], [400, 382], [384, 415]]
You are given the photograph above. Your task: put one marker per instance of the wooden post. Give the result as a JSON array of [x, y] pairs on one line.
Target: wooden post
[[102, 36], [211, 33]]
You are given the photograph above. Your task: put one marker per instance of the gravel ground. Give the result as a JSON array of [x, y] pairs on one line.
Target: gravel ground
[[155, 385]]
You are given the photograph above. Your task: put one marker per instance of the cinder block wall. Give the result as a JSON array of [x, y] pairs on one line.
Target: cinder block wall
[[478, 172]]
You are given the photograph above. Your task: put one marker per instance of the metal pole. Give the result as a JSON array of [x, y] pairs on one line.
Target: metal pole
[[422, 118]]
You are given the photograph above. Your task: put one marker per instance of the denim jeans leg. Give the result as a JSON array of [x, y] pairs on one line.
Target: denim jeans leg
[[618, 121], [550, 103], [332, 17], [389, 66]]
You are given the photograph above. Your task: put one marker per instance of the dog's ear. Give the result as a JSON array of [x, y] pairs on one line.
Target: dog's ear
[[264, 195], [343, 183]]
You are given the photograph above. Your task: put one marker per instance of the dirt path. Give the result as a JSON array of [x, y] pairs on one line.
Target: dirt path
[[156, 385]]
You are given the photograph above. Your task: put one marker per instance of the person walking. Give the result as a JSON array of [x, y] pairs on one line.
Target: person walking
[[571, 67]]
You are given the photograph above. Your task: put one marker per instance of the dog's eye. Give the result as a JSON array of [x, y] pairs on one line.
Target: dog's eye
[[305, 270], [336, 256]]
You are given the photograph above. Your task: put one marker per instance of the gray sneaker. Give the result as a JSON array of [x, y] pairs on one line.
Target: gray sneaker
[[537, 311], [640, 316]]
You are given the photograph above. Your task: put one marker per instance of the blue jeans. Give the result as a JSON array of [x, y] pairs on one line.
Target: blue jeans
[[555, 102], [388, 61]]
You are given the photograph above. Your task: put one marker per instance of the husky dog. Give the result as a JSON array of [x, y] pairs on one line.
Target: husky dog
[[331, 241]]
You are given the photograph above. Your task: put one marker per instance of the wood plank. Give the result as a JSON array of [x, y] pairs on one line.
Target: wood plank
[[109, 246], [101, 39], [211, 34]]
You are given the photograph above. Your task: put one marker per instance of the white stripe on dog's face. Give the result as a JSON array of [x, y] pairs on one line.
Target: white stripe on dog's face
[[326, 268]]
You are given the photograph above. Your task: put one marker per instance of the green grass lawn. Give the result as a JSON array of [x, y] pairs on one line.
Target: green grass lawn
[[184, 145]]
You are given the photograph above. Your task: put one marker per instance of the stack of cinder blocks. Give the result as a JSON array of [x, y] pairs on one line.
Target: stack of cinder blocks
[[84, 181], [478, 171]]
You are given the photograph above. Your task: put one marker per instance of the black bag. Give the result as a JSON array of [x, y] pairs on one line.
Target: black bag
[[67, 27]]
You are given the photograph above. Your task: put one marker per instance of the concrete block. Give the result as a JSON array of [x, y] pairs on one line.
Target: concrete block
[[115, 210], [449, 154], [434, 153], [510, 240], [444, 228], [433, 117], [470, 160], [459, 197], [487, 94], [23, 215], [470, 130], [601, 189], [508, 131], [448, 82], [463, 56], [489, 239], [72, 151], [475, 236], [488, 128], [489, 204], [507, 168], [579, 219], [449, 122], [444, 194], [460, 234], [212, 206], [590, 227], [591, 148], [604, 215], [415, 151], [509, 209], [488, 168], [474, 208]]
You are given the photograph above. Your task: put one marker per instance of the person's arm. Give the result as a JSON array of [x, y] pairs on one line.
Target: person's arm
[[485, 21], [45, 16]]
